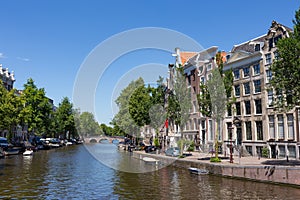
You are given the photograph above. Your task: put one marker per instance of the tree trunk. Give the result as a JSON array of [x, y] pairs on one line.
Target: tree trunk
[[217, 140]]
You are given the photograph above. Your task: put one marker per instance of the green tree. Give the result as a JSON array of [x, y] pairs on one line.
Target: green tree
[[10, 106], [158, 93], [179, 102], [286, 69], [157, 112], [66, 119], [139, 105], [123, 118], [204, 101], [107, 130], [218, 98], [88, 124], [36, 109], [157, 116], [215, 94]]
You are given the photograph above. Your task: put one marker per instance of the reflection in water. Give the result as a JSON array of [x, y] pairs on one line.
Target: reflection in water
[[72, 173]]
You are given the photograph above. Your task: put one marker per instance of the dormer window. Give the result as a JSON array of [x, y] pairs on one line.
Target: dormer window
[[257, 47]]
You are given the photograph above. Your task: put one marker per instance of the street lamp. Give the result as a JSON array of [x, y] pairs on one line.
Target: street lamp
[[230, 140]]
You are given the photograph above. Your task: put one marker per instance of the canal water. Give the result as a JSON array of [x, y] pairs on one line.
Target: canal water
[[74, 173]]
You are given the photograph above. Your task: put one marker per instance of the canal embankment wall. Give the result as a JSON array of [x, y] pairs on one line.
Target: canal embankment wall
[[264, 173]]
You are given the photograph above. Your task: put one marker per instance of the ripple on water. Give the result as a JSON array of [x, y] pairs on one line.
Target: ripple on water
[[73, 173]]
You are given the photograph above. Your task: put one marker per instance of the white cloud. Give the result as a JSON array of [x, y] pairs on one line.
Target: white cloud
[[23, 59], [2, 55]]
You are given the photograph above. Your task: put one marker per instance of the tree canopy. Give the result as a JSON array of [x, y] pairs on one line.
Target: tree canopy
[[65, 118], [36, 108], [286, 76], [10, 106], [179, 101]]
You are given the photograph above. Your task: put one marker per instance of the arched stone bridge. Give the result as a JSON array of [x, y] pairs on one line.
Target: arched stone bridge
[[98, 139]]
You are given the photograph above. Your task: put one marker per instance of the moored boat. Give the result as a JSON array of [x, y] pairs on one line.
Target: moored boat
[[194, 170], [8, 152], [28, 152]]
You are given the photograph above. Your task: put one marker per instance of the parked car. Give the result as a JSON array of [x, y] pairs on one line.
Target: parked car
[[173, 151], [149, 149]]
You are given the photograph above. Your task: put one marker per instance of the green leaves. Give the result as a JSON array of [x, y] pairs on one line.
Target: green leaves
[[286, 70], [65, 118], [9, 108], [136, 103], [179, 101], [36, 108]]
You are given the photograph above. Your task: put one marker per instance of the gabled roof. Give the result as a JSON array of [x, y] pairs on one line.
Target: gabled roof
[[237, 55], [203, 55], [185, 56], [249, 45]]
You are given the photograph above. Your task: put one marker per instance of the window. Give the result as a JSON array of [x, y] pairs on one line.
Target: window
[[248, 107], [257, 47], [279, 94], [194, 106], [208, 67], [189, 80], [209, 76], [193, 75], [259, 130], [290, 121], [246, 72], [238, 108], [271, 43], [258, 107], [229, 129], [280, 127], [270, 98], [271, 127], [289, 97], [269, 75], [276, 55], [257, 86], [268, 59], [248, 130], [256, 69], [195, 124], [247, 88], [249, 149], [202, 79], [292, 151], [237, 90], [281, 150], [236, 74], [229, 110], [203, 124]]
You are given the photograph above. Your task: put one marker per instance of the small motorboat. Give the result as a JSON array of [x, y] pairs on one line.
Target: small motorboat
[[28, 152], [194, 170], [150, 160], [8, 152]]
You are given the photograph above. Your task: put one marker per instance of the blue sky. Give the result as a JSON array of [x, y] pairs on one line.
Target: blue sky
[[49, 40]]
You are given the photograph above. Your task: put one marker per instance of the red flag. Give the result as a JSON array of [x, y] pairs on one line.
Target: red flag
[[166, 123]]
